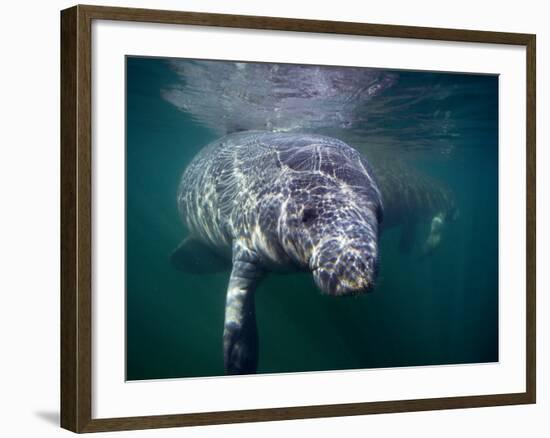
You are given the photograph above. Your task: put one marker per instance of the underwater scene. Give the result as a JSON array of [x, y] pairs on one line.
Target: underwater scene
[[286, 218]]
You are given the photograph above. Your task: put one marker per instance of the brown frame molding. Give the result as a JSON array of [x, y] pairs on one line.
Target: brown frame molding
[[76, 239]]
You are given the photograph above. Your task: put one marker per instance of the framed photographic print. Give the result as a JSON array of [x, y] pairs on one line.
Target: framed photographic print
[[267, 218]]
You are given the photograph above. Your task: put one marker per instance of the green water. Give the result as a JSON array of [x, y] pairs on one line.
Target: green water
[[440, 309]]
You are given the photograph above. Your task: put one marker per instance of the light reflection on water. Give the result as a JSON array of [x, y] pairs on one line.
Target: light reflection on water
[[434, 310]]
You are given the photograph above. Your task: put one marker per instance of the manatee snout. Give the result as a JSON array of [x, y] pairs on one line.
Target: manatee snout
[[341, 267]]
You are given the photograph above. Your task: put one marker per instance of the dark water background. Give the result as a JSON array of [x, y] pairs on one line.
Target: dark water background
[[441, 309]]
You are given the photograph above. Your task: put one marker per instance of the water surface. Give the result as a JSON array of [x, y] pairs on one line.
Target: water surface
[[435, 310]]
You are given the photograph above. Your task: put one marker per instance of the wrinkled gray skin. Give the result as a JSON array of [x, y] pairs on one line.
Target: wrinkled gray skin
[[281, 202]]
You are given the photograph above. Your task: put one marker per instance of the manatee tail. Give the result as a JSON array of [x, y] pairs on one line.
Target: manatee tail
[[240, 335], [194, 257]]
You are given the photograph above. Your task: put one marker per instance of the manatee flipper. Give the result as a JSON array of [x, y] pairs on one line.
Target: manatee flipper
[[194, 257], [240, 336], [408, 236], [434, 236]]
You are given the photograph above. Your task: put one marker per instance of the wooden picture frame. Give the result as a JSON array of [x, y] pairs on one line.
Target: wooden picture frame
[[76, 218]]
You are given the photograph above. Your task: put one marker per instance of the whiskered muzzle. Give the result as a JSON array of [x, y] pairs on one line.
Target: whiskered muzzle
[[345, 269]]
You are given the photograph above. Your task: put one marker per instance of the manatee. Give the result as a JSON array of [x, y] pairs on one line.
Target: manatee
[[411, 197], [278, 202]]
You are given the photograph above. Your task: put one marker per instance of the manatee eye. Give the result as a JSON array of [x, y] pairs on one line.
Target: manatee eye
[[308, 215]]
